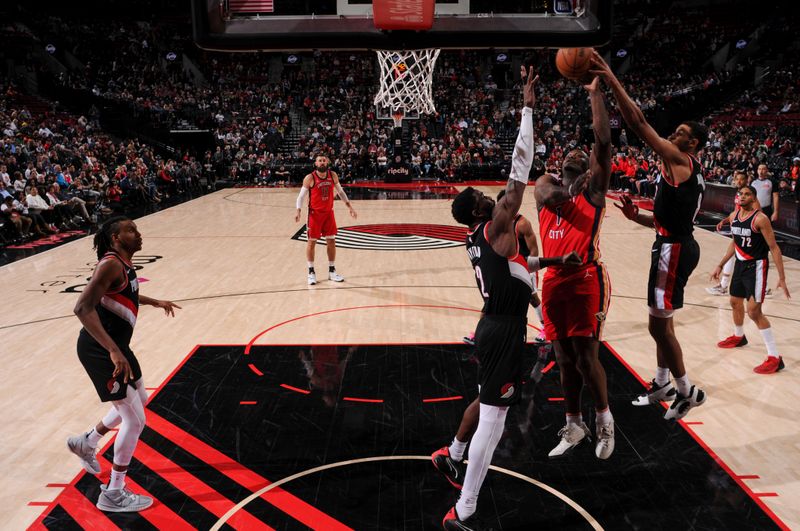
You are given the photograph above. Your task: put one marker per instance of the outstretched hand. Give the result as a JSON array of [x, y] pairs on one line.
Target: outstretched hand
[[715, 274], [594, 86], [782, 285], [599, 67], [629, 210], [528, 92]]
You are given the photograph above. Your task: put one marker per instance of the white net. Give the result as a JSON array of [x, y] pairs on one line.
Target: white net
[[407, 80]]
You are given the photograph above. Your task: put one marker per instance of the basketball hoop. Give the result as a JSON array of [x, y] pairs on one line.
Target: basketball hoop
[[397, 117], [406, 82]]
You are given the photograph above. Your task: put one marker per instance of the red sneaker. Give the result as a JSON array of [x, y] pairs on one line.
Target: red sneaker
[[452, 522], [733, 342], [770, 365]]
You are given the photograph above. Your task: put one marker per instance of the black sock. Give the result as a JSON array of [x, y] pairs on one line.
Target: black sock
[[310, 270], [331, 269]]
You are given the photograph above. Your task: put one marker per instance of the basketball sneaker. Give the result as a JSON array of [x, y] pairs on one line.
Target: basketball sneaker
[[771, 365], [540, 337], [470, 339], [656, 393], [312, 279], [571, 436], [682, 404], [451, 469], [733, 342], [717, 290], [122, 500], [79, 445], [452, 522], [336, 277], [605, 440]]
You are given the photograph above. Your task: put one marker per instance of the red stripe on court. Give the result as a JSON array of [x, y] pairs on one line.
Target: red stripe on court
[[765, 494], [548, 367], [38, 504], [692, 423], [158, 514], [57, 485], [749, 476], [296, 389], [368, 400], [83, 511], [207, 497], [708, 449], [286, 502], [255, 369], [442, 399], [556, 399], [248, 402]]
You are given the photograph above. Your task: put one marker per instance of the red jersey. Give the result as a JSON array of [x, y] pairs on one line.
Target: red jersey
[[321, 196], [573, 225]]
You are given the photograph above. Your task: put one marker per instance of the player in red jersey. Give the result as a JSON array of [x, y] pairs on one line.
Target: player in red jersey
[[319, 186], [575, 299]]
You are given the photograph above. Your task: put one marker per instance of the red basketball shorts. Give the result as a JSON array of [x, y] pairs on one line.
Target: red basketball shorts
[[321, 224], [575, 301]]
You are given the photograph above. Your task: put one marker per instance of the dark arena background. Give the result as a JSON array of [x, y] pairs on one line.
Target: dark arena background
[[277, 403]]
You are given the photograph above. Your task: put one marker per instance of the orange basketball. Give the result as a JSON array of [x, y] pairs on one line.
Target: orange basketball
[[573, 63]]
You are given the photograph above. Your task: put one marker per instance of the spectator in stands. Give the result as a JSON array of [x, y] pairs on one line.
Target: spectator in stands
[[767, 193], [14, 216]]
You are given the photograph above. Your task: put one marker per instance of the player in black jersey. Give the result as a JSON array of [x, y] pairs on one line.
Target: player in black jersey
[[752, 241], [505, 285], [107, 309], [675, 253]]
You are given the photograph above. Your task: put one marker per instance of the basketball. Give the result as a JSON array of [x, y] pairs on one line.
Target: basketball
[[574, 63]]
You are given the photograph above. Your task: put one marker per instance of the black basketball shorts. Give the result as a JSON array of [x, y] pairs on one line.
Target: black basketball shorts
[[97, 362], [671, 264], [749, 279], [499, 347]]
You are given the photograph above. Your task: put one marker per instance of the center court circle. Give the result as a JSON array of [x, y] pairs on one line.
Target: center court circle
[[591, 520]]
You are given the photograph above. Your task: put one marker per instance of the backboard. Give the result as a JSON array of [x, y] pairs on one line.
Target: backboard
[[295, 25]]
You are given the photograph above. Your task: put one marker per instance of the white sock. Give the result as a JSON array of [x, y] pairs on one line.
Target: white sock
[[724, 281], [769, 340], [457, 449], [117, 480], [491, 422], [93, 438], [331, 265], [539, 313], [683, 385], [576, 420], [310, 265], [662, 376], [738, 331], [604, 417]]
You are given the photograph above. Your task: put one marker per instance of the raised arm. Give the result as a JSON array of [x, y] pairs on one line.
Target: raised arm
[[549, 193], [600, 157], [672, 157], [501, 231]]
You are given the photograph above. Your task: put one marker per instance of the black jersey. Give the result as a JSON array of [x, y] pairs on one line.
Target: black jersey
[[523, 245], [504, 283], [118, 309], [749, 243], [675, 207]]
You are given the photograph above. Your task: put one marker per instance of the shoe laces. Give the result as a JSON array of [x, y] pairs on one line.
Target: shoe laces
[[605, 431]]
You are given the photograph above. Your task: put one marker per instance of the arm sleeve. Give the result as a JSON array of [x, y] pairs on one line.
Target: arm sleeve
[[523, 150], [340, 191], [303, 193]]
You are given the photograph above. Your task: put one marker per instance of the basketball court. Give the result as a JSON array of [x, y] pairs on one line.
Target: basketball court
[[277, 405]]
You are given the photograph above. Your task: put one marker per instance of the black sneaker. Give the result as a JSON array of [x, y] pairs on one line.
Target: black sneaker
[[451, 469], [682, 404], [452, 522]]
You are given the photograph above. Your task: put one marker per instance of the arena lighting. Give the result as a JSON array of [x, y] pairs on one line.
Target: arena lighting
[[292, 59], [502, 58], [741, 43], [50, 48], [622, 52], [171, 56]]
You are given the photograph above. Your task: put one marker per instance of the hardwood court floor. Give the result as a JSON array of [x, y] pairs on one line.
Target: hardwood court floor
[[229, 259]]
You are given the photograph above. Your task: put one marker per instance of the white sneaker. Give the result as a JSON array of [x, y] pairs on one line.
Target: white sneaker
[[717, 290], [605, 440], [336, 277], [682, 404], [312, 279], [122, 500], [79, 445], [571, 436], [656, 393]]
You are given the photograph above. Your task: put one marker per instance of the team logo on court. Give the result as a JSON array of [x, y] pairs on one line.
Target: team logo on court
[[395, 237]]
